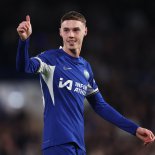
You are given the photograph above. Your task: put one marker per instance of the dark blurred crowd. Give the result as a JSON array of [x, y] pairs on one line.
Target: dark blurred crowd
[[19, 134], [120, 46]]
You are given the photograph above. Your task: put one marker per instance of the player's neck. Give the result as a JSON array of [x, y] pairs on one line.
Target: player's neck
[[74, 53]]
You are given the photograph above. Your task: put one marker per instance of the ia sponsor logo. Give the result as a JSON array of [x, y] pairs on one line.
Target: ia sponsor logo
[[79, 87], [68, 84]]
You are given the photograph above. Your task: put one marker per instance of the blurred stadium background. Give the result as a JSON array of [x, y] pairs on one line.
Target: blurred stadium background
[[121, 49]]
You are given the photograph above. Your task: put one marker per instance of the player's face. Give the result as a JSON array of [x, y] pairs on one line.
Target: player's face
[[72, 33]]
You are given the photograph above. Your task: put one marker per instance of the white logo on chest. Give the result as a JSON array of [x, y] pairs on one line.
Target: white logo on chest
[[86, 74], [67, 68], [68, 84]]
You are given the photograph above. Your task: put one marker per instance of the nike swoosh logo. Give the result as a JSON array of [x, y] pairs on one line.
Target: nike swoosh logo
[[66, 68]]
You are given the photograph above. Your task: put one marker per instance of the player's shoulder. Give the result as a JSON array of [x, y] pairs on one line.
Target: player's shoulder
[[50, 52], [48, 56], [85, 62]]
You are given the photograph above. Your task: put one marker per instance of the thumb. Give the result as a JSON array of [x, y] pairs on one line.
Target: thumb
[[28, 18]]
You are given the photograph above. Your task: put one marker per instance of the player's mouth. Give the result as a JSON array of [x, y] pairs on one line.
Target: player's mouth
[[71, 41]]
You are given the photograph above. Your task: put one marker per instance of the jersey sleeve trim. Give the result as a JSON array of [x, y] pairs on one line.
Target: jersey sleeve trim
[[40, 68], [93, 92]]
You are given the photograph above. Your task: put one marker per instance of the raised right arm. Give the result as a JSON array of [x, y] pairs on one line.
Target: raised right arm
[[23, 62]]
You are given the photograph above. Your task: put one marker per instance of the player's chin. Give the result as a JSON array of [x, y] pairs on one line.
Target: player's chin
[[72, 47]]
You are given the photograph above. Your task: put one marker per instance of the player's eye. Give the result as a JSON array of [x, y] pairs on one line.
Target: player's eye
[[76, 29], [66, 30]]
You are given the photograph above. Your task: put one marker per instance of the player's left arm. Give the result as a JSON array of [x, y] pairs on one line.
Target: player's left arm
[[107, 112], [112, 115]]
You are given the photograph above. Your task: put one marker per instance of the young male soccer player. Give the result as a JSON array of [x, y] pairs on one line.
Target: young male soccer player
[[66, 80]]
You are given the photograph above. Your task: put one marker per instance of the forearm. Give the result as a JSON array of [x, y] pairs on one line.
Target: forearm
[[23, 62], [110, 114]]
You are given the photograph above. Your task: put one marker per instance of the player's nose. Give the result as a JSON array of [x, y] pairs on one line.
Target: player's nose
[[71, 34]]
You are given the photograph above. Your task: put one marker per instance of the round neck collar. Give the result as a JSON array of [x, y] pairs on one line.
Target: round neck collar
[[71, 57]]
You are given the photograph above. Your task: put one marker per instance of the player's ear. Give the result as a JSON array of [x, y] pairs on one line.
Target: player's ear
[[60, 31], [86, 31]]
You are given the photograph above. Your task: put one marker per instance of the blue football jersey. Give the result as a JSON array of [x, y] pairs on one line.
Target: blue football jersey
[[65, 82]]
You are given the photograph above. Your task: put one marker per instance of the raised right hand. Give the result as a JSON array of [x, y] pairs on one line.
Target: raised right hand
[[24, 29]]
